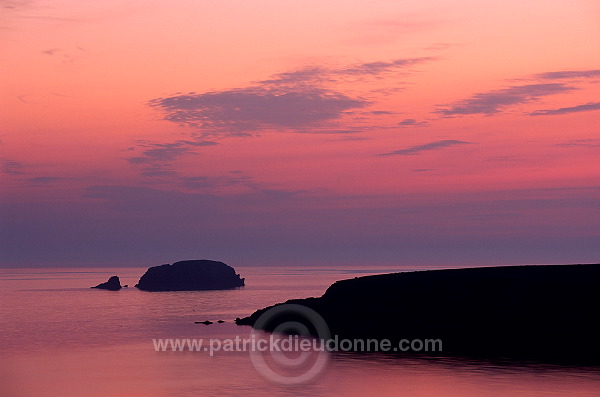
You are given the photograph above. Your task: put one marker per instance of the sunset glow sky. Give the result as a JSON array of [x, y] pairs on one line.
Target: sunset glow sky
[[299, 132]]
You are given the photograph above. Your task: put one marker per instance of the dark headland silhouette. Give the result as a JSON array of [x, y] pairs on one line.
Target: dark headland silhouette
[[542, 313], [190, 275], [113, 284]]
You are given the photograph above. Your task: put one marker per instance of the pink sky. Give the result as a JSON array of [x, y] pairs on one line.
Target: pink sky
[[300, 132]]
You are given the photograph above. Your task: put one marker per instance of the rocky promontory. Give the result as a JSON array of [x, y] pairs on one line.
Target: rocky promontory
[[546, 313], [113, 284], [190, 275]]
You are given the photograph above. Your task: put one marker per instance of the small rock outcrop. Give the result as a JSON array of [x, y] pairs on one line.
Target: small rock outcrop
[[113, 284], [190, 275]]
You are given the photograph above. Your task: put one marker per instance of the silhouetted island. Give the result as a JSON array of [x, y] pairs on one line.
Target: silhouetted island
[[113, 284], [190, 275], [544, 313]]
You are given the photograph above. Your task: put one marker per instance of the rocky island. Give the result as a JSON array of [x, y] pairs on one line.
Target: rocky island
[[113, 284], [190, 275], [542, 313]]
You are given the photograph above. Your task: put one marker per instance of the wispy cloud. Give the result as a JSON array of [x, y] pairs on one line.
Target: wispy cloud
[[237, 184], [51, 51], [15, 4], [307, 75], [492, 102], [251, 110], [166, 152], [45, 180], [304, 100], [158, 170], [156, 159], [569, 74], [11, 167], [418, 149], [571, 109], [301, 100], [412, 123], [319, 75], [580, 143], [380, 112], [380, 67], [233, 178]]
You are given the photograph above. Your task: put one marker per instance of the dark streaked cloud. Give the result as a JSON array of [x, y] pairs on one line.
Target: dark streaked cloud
[[570, 109], [580, 143], [317, 75], [15, 4], [153, 151], [206, 182], [569, 74], [380, 112], [197, 182], [166, 152], [251, 110], [376, 68], [156, 159], [304, 76], [408, 122], [11, 167], [423, 169], [414, 150], [572, 188], [490, 217], [239, 185], [51, 51], [412, 123], [339, 131], [45, 180], [492, 102], [301, 100], [158, 171], [152, 202]]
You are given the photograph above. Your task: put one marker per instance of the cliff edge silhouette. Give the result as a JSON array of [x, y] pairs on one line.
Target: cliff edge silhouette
[[545, 312]]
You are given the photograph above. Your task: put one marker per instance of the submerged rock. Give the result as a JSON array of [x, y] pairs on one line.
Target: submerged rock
[[113, 284], [190, 275]]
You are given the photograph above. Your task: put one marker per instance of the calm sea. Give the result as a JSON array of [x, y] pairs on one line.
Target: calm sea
[[61, 338]]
